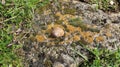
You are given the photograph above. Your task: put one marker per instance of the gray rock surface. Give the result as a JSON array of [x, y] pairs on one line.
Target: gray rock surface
[[39, 55]]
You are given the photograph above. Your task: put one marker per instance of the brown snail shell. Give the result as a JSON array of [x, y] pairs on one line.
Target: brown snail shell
[[57, 32]]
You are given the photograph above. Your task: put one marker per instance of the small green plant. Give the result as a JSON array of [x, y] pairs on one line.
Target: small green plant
[[97, 61], [104, 58], [105, 5], [78, 53]]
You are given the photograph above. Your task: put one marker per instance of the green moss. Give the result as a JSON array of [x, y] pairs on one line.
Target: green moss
[[69, 11], [94, 30], [59, 21], [79, 23]]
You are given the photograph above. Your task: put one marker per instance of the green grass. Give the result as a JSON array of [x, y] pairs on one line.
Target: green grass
[[14, 12], [103, 58], [107, 59]]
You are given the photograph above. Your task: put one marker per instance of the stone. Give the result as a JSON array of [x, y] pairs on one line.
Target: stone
[[67, 59], [58, 64], [57, 32]]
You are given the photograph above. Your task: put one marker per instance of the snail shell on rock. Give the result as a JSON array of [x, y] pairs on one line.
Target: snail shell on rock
[[57, 32]]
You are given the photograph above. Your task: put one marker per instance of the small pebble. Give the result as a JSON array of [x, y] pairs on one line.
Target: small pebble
[[57, 32]]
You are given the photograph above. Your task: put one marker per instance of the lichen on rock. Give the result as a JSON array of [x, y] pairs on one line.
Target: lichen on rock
[[86, 27]]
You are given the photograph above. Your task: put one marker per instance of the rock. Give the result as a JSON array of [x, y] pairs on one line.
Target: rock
[[57, 32], [67, 59], [63, 55], [73, 65], [58, 64]]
